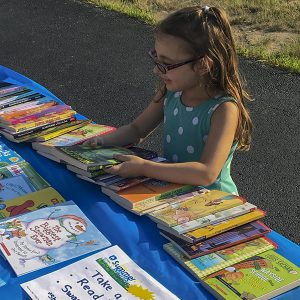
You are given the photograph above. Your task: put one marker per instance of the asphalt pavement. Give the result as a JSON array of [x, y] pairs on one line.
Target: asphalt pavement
[[96, 61]]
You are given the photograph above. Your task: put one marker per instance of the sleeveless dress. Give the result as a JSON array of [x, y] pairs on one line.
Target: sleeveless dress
[[186, 130]]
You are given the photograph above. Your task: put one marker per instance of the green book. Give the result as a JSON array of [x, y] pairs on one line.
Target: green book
[[207, 264], [263, 276]]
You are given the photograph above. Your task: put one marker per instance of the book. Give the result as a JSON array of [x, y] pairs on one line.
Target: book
[[144, 197], [37, 123], [108, 274], [86, 156], [29, 202], [89, 174], [206, 232], [211, 219], [24, 170], [221, 241], [50, 156], [9, 89], [8, 156], [71, 138], [194, 205], [48, 236], [205, 265], [33, 133], [45, 136], [260, 277]]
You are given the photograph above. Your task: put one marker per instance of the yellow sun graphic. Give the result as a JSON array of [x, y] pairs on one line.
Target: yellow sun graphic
[[139, 292]]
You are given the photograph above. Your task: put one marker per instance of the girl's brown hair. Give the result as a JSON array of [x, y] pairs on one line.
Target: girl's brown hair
[[207, 31]]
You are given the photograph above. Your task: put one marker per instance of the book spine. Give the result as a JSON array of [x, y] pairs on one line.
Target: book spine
[[21, 100], [6, 91], [38, 129], [214, 218], [43, 121]]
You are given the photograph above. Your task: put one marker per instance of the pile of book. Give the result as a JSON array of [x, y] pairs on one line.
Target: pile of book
[[38, 228], [217, 236]]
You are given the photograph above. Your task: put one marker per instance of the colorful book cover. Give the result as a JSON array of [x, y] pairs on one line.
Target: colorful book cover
[[9, 89], [53, 134], [207, 264], [21, 92], [221, 241], [22, 99], [213, 218], [74, 137], [262, 276], [200, 234], [194, 205], [48, 236], [29, 202], [25, 170], [42, 121], [15, 187], [8, 156], [108, 274], [146, 195]]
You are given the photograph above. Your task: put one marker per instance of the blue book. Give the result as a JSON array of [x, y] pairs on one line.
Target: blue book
[[48, 236], [8, 156]]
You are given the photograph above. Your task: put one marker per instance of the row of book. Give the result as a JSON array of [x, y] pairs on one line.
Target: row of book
[[216, 236], [38, 228]]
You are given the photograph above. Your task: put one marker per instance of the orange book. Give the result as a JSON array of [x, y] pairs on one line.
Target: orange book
[[203, 233], [146, 196]]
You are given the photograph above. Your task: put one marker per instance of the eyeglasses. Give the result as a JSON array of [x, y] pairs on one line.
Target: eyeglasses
[[164, 68]]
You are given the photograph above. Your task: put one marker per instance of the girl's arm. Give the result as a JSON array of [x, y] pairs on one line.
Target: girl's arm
[[218, 144], [137, 130]]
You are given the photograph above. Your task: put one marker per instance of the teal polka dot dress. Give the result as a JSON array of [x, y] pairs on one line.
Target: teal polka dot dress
[[185, 133]]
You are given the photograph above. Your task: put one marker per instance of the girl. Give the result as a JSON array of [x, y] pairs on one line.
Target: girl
[[200, 102]]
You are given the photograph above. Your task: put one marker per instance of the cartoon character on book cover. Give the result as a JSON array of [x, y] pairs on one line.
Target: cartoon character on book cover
[[42, 240]]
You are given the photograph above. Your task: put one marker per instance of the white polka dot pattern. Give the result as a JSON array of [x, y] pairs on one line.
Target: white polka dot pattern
[[195, 121], [190, 149], [175, 111], [189, 108], [168, 138], [180, 130], [175, 158]]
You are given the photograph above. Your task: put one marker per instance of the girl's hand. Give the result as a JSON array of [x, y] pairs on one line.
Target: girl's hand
[[131, 166]]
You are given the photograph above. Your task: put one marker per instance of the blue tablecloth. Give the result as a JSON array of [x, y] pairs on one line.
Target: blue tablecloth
[[137, 236]]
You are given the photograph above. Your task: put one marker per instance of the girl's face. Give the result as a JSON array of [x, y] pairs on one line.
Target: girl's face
[[172, 50]]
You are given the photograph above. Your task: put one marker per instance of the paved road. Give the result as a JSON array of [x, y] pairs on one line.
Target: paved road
[[96, 61]]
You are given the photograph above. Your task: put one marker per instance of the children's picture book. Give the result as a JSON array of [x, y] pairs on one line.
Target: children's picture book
[[207, 264], [71, 138], [144, 197], [48, 236], [29, 202], [194, 205], [213, 218], [262, 277], [26, 171], [201, 234], [221, 241], [108, 274], [8, 156], [86, 156]]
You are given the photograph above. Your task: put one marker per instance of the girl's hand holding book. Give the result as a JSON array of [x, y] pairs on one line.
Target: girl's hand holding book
[[130, 166]]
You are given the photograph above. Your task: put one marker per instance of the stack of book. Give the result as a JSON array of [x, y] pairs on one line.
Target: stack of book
[[22, 189], [26, 114]]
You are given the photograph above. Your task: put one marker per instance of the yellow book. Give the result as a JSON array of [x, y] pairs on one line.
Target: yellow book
[[206, 232], [29, 202], [205, 265], [52, 135]]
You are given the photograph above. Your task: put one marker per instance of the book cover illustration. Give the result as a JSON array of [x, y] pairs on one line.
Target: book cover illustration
[[99, 155], [203, 233], [8, 156], [214, 218], [263, 276], [207, 264], [193, 205], [74, 137], [48, 236], [224, 240], [109, 274], [25, 170], [29, 202]]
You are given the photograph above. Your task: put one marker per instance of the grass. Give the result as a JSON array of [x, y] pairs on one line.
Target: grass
[[266, 30]]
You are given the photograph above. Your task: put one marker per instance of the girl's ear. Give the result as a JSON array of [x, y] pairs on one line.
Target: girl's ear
[[203, 66]]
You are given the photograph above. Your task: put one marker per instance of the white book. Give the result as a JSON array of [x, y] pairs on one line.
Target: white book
[[109, 274]]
